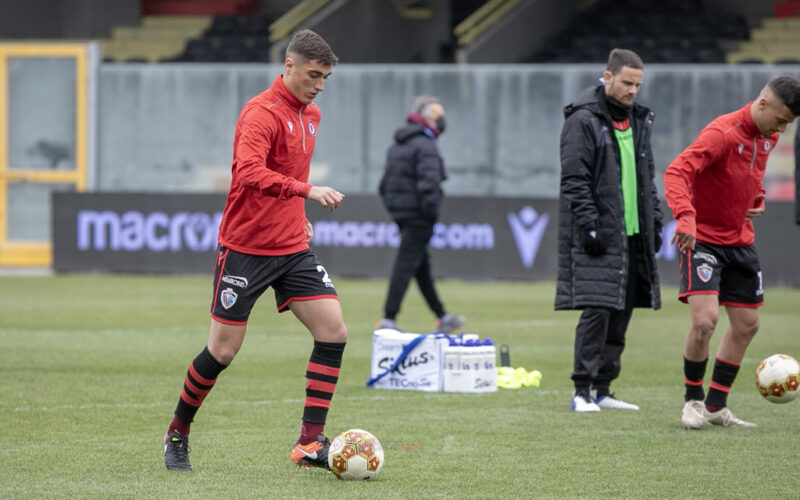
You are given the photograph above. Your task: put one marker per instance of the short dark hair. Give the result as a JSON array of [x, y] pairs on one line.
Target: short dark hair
[[787, 89], [309, 45], [618, 58]]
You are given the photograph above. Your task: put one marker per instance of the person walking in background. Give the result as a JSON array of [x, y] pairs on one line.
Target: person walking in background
[[412, 194], [610, 225], [263, 242], [714, 190]]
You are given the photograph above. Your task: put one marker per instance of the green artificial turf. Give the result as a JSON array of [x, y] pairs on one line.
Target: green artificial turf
[[91, 367]]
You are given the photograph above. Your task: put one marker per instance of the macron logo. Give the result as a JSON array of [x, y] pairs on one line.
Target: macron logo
[[528, 228]]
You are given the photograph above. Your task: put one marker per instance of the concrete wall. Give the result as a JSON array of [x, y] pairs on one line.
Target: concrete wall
[[170, 127]]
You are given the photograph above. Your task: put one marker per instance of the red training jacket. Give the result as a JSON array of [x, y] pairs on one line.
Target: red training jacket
[[272, 149], [713, 182]]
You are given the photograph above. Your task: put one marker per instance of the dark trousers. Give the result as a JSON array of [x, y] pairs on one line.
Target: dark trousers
[[600, 334], [412, 261]]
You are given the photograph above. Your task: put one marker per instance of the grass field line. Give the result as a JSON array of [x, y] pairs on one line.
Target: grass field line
[[396, 395]]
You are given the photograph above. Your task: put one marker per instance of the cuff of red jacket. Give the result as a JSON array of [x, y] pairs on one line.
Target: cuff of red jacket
[[297, 188], [686, 225]]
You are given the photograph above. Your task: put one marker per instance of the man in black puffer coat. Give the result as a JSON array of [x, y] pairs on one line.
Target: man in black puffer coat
[[412, 193], [609, 225], [797, 177]]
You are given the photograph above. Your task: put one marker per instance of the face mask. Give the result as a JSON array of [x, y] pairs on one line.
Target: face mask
[[441, 124]]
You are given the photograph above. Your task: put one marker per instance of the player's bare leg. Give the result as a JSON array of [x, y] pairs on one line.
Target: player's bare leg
[[744, 323], [731, 350], [323, 318], [704, 315], [225, 340]]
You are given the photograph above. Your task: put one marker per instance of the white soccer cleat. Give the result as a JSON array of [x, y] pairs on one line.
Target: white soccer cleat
[[725, 418], [617, 404], [692, 414], [582, 404]]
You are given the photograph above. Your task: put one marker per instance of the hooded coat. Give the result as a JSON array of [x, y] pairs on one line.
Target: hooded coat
[[797, 177], [411, 184], [591, 196]]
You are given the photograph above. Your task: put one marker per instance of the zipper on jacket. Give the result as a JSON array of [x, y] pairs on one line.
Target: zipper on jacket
[[755, 152], [302, 126]]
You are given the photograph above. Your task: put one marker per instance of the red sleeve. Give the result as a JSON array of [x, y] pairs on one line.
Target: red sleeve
[[762, 194], [257, 132], [679, 177]]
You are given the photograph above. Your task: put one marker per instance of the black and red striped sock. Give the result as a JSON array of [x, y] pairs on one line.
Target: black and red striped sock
[[693, 373], [200, 378], [322, 374], [721, 381]]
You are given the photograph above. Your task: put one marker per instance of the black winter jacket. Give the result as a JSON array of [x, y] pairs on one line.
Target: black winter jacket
[[411, 183], [797, 177], [591, 195]]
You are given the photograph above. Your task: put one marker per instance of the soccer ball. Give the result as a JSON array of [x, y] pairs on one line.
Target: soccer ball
[[778, 378], [355, 454]]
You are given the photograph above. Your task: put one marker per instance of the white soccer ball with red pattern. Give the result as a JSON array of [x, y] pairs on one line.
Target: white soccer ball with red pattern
[[778, 378], [355, 454]]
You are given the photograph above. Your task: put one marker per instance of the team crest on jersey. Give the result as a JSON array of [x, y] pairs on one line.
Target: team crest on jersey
[[767, 145], [228, 298], [704, 272], [291, 126], [311, 128], [741, 148]]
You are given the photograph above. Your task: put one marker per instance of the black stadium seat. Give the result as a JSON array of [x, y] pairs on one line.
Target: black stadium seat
[[230, 38], [661, 32]]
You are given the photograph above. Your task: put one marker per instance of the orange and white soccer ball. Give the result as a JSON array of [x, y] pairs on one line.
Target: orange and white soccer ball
[[778, 378], [355, 454]]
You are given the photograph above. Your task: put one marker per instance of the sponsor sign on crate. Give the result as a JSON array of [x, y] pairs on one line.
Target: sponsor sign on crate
[[432, 362], [407, 361]]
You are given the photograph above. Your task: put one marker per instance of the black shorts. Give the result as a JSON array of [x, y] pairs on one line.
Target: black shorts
[[732, 273], [240, 279]]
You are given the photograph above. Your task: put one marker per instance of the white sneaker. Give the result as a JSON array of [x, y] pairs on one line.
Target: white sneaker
[[449, 322], [692, 414], [617, 404], [725, 418], [388, 323], [582, 404]]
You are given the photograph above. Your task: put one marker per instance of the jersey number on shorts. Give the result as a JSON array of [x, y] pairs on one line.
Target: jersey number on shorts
[[760, 290], [325, 278]]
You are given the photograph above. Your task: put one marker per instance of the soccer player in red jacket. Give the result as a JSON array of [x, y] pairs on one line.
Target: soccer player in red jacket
[[263, 242], [714, 190]]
